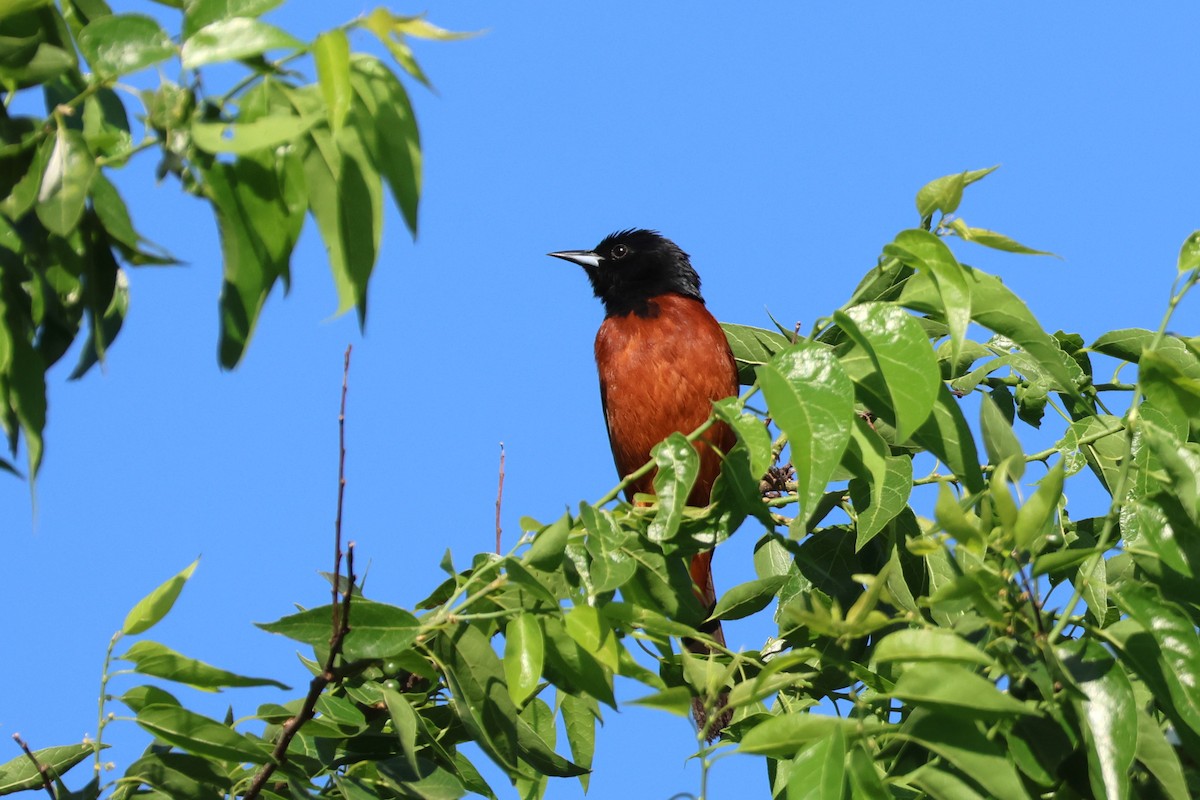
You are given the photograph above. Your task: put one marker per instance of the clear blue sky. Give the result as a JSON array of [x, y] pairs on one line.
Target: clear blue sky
[[780, 146]]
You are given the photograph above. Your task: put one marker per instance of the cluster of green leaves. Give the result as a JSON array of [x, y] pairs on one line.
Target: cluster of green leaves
[[262, 155], [929, 635]]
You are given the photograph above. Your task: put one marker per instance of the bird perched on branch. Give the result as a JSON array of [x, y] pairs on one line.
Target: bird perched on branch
[[663, 360]]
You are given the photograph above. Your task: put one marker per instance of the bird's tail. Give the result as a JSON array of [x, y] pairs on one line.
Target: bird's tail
[[715, 718]]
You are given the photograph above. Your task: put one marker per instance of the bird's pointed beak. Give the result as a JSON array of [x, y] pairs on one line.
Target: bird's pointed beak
[[584, 258]]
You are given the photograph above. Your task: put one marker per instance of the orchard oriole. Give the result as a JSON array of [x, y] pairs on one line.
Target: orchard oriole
[[663, 360]]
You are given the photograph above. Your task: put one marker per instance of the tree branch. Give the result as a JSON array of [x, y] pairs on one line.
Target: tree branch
[[499, 498], [43, 770], [340, 625]]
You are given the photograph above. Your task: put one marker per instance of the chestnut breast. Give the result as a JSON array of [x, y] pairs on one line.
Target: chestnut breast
[[659, 374]]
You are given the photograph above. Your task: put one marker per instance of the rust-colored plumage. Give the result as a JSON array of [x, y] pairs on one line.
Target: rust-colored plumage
[[663, 360]]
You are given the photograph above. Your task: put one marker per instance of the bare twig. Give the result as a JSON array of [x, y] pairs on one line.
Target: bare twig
[[341, 618], [499, 498], [341, 492], [43, 770]]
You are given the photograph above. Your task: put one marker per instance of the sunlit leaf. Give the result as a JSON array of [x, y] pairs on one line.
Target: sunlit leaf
[[524, 654], [234, 38], [677, 464], [66, 182], [200, 735], [19, 773], [160, 661], [812, 401], [150, 610], [123, 43]]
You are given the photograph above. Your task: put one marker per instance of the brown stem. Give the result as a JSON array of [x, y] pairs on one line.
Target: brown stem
[[499, 498], [43, 770], [341, 618]]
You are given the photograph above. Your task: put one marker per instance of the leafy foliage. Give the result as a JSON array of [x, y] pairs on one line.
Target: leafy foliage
[[262, 156], [945, 627]]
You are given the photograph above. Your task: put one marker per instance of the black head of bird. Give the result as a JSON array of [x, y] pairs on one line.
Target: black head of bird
[[631, 267]]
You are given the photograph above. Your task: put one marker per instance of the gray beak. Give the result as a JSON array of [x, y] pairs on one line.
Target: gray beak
[[584, 258]]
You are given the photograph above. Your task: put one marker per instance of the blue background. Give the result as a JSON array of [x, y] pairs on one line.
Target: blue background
[[781, 146]]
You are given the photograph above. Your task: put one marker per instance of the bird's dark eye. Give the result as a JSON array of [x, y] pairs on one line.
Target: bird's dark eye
[[620, 251]]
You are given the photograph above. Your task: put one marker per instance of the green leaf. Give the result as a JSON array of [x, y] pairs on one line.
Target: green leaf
[[257, 239], [1107, 713], [818, 772], [139, 697], [611, 564], [963, 526], [113, 214], [812, 400], [906, 365], [200, 735], [945, 193], [1039, 510], [121, 44], [1103, 453], [752, 348], [882, 485], [247, 137], [782, 736], [346, 199], [233, 39], [159, 661], [930, 256], [1173, 651], [392, 141], [66, 182], [478, 695], [199, 13], [675, 700], [571, 666], [593, 633], [747, 598], [524, 655], [179, 776], [331, 52], [404, 723], [1128, 344], [955, 690], [942, 784], [474, 675], [377, 630], [677, 464], [1168, 386], [928, 644], [19, 774], [750, 431], [866, 782], [999, 440], [10, 8], [1189, 253], [579, 715], [996, 241], [960, 742], [1159, 758], [994, 306], [150, 610], [947, 435], [546, 552]]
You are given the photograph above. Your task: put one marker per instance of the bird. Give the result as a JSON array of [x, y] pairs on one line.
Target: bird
[[663, 360]]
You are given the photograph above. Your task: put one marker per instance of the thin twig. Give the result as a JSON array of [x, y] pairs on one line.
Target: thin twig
[[499, 498], [43, 770], [341, 491], [341, 618]]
